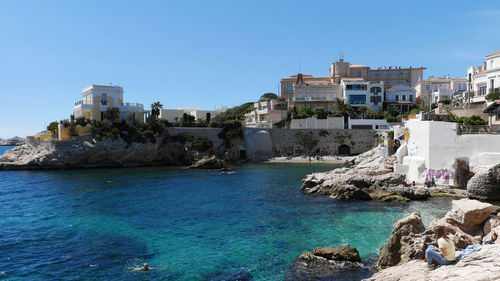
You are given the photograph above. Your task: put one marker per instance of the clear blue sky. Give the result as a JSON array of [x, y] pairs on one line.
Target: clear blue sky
[[212, 53]]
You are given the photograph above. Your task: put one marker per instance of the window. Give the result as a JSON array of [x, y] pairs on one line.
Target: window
[[403, 97], [427, 87], [290, 88], [410, 98], [375, 100], [357, 99], [104, 100], [356, 87], [397, 97], [359, 73], [436, 88], [375, 90], [445, 87]]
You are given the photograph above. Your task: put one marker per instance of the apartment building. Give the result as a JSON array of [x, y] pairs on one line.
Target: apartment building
[[97, 98], [266, 113], [436, 89], [484, 79]]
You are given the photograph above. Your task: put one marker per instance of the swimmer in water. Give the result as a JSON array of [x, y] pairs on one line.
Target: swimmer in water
[[145, 267]]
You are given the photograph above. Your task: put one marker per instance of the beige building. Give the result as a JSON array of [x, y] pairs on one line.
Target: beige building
[[266, 113], [438, 89], [383, 78], [314, 93], [98, 98]]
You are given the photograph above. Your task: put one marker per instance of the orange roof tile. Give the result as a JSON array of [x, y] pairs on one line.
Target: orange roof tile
[[492, 54]]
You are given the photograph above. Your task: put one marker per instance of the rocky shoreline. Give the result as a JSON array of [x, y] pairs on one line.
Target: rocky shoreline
[[372, 177], [86, 152], [470, 222]]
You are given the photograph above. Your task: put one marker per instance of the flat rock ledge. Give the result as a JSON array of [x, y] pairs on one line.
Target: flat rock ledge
[[469, 222]]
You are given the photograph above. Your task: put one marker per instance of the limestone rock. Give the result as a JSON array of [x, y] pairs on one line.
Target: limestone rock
[[493, 235], [342, 253], [326, 264], [349, 193], [491, 223], [481, 265], [403, 244], [485, 185], [469, 215]]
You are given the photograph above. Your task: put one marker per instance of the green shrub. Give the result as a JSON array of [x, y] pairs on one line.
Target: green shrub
[[472, 120]]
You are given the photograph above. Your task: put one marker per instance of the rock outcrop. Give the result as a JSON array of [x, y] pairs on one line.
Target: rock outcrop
[[481, 265], [15, 141], [401, 257], [406, 242], [371, 174], [84, 151], [326, 264], [342, 253], [485, 185]]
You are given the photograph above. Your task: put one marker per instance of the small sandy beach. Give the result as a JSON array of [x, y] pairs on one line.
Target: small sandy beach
[[300, 159]]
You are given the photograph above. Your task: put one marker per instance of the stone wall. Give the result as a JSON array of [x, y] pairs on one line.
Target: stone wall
[[284, 141], [470, 112]]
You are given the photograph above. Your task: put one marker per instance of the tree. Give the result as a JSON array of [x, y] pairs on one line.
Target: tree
[[307, 141], [393, 110], [340, 108], [187, 120], [155, 109], [208, 116], [53, 127], [493, 95], [304, 112], [268, 96], [363, 109], [321, 113], [112, 114]]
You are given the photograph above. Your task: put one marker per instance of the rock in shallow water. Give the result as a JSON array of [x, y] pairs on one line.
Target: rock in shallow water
[[342, 253], [311, 267], [238, 275]]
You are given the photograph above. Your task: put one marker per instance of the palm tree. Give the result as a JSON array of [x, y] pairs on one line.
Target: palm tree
[[340, 108], [155, 108], [363, 109]]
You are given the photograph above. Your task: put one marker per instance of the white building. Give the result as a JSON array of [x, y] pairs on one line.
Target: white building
[[266, 113], [175, 115], [484, 79], [358, 92], [437, 89], [97, 98], [401, 96]]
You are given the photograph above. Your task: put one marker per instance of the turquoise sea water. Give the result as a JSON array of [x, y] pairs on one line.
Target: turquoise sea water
[[5, 148], [97, 224]]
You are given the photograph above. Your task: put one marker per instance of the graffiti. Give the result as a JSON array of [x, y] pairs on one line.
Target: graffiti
[[443, 173]]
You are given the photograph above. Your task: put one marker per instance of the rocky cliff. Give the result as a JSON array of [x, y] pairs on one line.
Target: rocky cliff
[[85, 151], [15, 141]]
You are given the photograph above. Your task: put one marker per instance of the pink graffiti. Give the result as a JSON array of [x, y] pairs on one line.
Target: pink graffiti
[[443, 173]]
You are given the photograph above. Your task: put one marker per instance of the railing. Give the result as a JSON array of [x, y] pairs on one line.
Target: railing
[[476, 129]]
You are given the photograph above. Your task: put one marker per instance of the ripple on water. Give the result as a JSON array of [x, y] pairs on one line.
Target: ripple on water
[[191, 224]]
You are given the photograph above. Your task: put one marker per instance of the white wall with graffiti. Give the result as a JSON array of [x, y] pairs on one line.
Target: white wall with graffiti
[[434, 150]]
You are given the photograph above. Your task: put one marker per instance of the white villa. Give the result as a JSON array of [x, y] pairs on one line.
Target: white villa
[[97, 98], [484, 79], [175, 115], [266, 113]]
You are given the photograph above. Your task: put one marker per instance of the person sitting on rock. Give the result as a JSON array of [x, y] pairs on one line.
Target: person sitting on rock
[[445, 254]]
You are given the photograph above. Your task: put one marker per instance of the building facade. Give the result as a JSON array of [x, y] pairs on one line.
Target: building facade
[[436, 89], [98, 98], [484, 79], [266, 114], [314, 94], [175, 115], [358, 92]]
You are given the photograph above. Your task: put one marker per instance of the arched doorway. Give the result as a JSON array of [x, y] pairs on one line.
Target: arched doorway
[[344, 150]]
